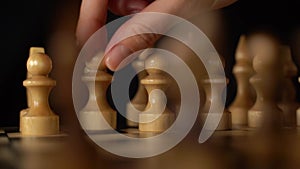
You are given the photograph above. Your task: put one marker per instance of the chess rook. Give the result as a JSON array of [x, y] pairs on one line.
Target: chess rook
[[39, 119], [245, 96], [156, 79]]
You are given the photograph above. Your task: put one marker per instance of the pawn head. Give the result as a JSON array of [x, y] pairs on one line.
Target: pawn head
[[39, 64]]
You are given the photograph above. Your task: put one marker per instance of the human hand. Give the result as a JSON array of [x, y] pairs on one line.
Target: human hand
[[93, 16]]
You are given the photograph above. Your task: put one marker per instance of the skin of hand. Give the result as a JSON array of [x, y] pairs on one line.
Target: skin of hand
[[93, 16]]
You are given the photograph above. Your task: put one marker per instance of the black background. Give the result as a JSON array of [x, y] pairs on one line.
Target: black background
[[29, 23]]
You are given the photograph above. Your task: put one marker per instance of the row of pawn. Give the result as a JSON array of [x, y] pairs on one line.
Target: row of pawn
[[266, 94]]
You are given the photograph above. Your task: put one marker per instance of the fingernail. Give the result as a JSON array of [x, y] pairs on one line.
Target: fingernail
[[115, 56], [222, 3], [136, 7], [134, 11]]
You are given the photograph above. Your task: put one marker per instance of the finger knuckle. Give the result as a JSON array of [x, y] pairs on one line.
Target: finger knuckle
[[144, 34]]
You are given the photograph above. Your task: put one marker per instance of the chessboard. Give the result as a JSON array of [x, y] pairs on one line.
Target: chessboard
[[233, 149], [260, 129]]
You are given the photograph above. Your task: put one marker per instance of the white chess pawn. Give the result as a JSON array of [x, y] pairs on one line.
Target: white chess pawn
[[215, 97], [140, 99], [268, 66], [97, 82], [33, 50], [156, 79], [39, 119], [245, 96]]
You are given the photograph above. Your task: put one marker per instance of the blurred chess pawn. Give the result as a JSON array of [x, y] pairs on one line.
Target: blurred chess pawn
[[215, 97], [39, 119], [287, 102], [267, 81], [245, 96]]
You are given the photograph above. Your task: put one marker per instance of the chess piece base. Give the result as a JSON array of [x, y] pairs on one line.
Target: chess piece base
[[91, 120], [22, 113], [225, 121], [239, 117], [39, 125], [162, 123]]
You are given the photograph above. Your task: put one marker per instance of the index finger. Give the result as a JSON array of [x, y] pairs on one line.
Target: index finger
[[92, 16]]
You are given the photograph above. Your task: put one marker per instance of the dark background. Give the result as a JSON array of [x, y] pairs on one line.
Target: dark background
[[23, 24], [31, 23]]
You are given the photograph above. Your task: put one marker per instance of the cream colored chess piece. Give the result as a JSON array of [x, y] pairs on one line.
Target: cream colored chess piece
[[268, 66], [245, 96], [97, 81], [140, 99], [287, 102], [216, 98], [156, 79], [39, 119], [32, 51]]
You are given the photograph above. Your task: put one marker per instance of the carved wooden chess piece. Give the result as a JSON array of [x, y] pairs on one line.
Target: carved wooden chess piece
[[97, 81], [32, 51], [268, 66], [39, 119], [215, 97], [157, 79], [245, 96], [287, 102], [140, 99]]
